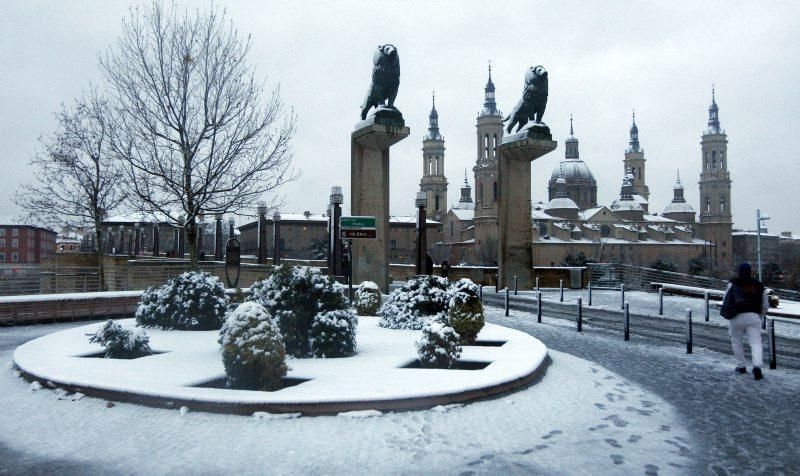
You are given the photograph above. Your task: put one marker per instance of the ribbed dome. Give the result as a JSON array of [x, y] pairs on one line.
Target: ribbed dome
[[677, 207], [640, 200], [626, 205], [561, 203], [573, 170]]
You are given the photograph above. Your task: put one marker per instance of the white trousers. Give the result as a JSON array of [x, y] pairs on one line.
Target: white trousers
[[749, 323]]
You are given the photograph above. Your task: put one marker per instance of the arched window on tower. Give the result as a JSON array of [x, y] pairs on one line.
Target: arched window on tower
[[486, 146], [722, 204], [494, 147], [494, 192], [714, 160], [437, 202], [708, 203], [437, 165], [451, 228], [722, 160], [479, 198]]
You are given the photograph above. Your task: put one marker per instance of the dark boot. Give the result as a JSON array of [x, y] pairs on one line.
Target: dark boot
[[740, 370], [757, 373]]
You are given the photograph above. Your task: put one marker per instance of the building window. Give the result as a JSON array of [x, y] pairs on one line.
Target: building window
[[14, 257], [437, 203], [2, 242], [393, 245], [2, 257], [15, 232], [451, 229], [494, 191], [722, 204], [708, 204], [15, 243], [2, 232], [486, 146], [480, 192]]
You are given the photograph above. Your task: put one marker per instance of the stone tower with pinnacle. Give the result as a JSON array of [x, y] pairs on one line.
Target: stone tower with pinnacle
[[635, 161], [434, 182], [489, 128], [716, 219]]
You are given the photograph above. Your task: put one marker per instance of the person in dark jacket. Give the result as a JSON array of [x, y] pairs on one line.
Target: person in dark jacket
[[428, 265], [445, 269], [749, 298]]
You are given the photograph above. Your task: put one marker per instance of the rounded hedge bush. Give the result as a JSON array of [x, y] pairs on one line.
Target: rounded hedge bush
[[121, 343], [465, 312], [333, 334], [419, 300], [368, 299], [439, 345], [191, 301], [252, 349], [294, 296]]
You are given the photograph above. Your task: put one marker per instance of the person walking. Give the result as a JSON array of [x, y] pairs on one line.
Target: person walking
[[745, 304]]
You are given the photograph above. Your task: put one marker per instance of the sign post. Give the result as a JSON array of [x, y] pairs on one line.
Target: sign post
[[357, 227]]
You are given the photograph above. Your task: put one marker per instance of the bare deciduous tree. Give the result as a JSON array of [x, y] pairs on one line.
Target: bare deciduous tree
[[191, 124], [76, 179]]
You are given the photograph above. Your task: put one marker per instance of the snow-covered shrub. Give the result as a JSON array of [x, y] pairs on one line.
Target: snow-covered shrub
[[439, 345], [333, 333], [121, 343], [368, 299], [252, 349], [420, 299], [191, 301], [465, 312], [294, 296]]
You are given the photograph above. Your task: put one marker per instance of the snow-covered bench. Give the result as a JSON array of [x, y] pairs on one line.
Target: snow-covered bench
[[40, 307]]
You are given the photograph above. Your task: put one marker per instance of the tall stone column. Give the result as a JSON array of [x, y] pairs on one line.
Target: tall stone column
[[517, 151], [369, 191]]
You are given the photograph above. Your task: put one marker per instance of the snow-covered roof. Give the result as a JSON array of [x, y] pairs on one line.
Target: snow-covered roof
[[311, 217], [754, 233], [640, 199], [561, 203], [677, 207], [658, 219], [463, 214], [537, 214], [572, 169], [402, 219], [630, 205]]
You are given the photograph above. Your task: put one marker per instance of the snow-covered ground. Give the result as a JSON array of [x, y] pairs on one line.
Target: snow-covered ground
[[190, 358]]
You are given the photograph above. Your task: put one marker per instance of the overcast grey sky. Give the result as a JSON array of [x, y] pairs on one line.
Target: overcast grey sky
[[604, 59]]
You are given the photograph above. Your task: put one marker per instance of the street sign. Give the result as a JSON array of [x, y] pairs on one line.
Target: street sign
[[357, 227]]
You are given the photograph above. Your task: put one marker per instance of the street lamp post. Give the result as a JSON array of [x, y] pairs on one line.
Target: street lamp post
[[231, 232], [276, 238], [421, 202], [218, 237], [138, 239], [262, 232], [155, 237], [759, 218], [334, 240]]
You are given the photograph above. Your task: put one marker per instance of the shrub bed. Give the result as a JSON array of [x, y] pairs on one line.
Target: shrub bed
[[191, 301], [438, 347], [420, 299], [368, 299]]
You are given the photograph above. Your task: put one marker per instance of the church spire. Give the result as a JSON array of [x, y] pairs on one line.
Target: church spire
[[633, 145], [571, 151], [465, 202], [433, 118], [489, 105], [713, 114], [678, 190]]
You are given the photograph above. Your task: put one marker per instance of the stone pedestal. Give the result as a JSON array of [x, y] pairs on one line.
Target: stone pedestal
[[369, 191], [516, 235]]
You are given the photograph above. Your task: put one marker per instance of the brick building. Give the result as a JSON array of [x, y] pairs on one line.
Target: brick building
[[25, 245]]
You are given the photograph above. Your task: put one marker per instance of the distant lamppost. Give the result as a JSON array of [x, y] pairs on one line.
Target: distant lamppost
[[262, 232], [276, 219], [421, 202], [334, 240], [182, 237], [155, 237], [138, 239], [218, 237], [759, 218]]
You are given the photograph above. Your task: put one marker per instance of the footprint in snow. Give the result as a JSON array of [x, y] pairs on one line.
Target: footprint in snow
[[634, 438], [613, 442], [600, 406], [617, 421], [651, 470], [618, 459], [551, 434]]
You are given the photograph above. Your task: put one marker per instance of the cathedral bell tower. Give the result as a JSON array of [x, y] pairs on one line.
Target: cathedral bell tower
[[489, 128], [635, 162], [433, 182], [715, 194]]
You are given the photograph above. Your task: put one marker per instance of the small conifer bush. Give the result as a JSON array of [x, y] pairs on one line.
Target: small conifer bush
[[121, 343], [333, 333], [294, 296], [438, 347], [417, 301], [252, 349], [465, 312], [368, 299], [191, 301]]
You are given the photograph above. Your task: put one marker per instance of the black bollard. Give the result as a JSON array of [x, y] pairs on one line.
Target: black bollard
[[506, 301], [496, 283], [707, 315], [480, 292], [622, 296], [660, 301], [580, 315], [515, 285], [539, 307], [537, 283], [688, 331], [627, 323], [561, 289], [773, 358], [590, 294]]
